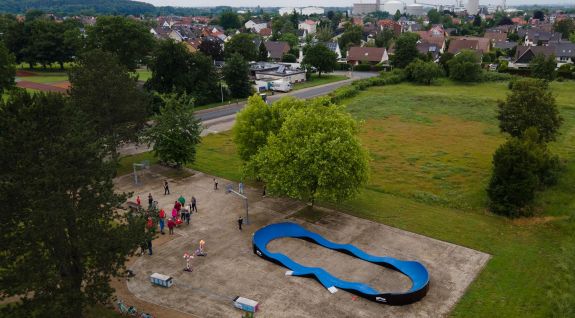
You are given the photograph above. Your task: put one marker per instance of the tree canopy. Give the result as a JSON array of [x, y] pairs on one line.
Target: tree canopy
[[316, 155], [543, 67], [7, 69], [530, 104], [320, 57], [62, 237], [256, 121], [244, 45], [236, 74], [465, 67], [423, 72], [230, 20], [176, 131], [521, 166], [175, 69], [406, 49], [212, 48], [105, 90], [130, 40]]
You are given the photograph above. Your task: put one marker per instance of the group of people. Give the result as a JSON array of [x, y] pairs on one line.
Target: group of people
[[180, 214]]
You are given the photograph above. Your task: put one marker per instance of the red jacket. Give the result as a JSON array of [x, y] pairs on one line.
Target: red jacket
[[171, 224]]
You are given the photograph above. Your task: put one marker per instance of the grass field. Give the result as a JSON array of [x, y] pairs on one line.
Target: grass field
[[431, 149]]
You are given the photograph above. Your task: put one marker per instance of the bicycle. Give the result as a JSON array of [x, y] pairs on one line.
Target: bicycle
[[131, 311]]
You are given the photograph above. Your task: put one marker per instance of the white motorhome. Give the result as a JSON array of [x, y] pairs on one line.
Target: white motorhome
[[281, 86]]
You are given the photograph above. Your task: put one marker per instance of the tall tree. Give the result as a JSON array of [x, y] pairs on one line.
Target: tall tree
[[384, 38], [324, 34], [262, 52], [351, 37], [213, 48], [539, 15], [565, 27], [62, 238], [543, 67], [316, 155], [103, 89], [406, 49], [244, 45], [230, 20], [175, 69], [530, 104], [434, 16], [320, 57], [256, 121], [129, 39], [237, 76], [7, 69], [465, 67], [176, 132]]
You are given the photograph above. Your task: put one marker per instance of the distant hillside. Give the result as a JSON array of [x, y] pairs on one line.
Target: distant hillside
[[121, 7]]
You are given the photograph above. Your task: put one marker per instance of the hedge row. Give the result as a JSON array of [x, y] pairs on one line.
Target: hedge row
[[390, 78]]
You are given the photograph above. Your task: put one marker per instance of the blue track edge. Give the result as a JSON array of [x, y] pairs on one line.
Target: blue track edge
[[416, 272]]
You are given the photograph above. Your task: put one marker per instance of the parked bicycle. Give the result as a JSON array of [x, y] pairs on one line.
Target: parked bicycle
[[131, 311]]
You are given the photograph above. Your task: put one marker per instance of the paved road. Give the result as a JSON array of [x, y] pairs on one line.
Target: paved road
[[224, 111], [222, 118]]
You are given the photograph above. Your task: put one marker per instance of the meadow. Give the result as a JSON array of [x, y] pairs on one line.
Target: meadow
[[431, 150]]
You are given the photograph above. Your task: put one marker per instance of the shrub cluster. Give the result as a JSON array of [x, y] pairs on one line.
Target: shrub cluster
[[387, 78]]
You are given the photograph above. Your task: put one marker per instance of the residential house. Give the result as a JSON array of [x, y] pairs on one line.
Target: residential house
[[255, 25], [481, 45], [277, 49], [537, 37], [389, 24], [265, 32], [371, 55], [302, 34], [495, 36], [431, 49], [309, 25], [564, 53], [334, 47], [525, 54], [505, 45], [433, 39]]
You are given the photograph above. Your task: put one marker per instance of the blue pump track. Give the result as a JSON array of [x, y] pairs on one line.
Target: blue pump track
[[416, 272]]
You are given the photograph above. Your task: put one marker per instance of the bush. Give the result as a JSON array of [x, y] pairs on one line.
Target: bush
[[465, 67], [496, 77], [566, 71], [362, 68], [386, 78], [342, 67], [422, 72]]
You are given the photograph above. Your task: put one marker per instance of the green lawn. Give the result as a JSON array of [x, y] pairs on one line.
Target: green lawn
[[431, 149], [316, 81]]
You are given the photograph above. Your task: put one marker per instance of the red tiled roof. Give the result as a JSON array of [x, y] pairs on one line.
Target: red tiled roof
[[368, 54]]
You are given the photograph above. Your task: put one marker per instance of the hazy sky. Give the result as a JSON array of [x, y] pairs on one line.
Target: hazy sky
[[322, 3]]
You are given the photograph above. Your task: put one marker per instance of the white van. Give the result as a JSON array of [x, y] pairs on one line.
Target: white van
[[281, 86]]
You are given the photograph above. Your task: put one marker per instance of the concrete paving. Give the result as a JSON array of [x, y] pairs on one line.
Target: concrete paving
[[232, 269]]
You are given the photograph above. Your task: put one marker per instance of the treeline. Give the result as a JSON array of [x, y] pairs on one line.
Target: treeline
[[122, 7], [102, 7]]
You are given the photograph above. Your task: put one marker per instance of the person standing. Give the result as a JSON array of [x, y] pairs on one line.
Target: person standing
[[149, 246], [215, 184], [241, 188], [162, 217], [166, 187], [264, 193], [171, 225], [240, 222], [194, 206], [150, 199], [138, 201]]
